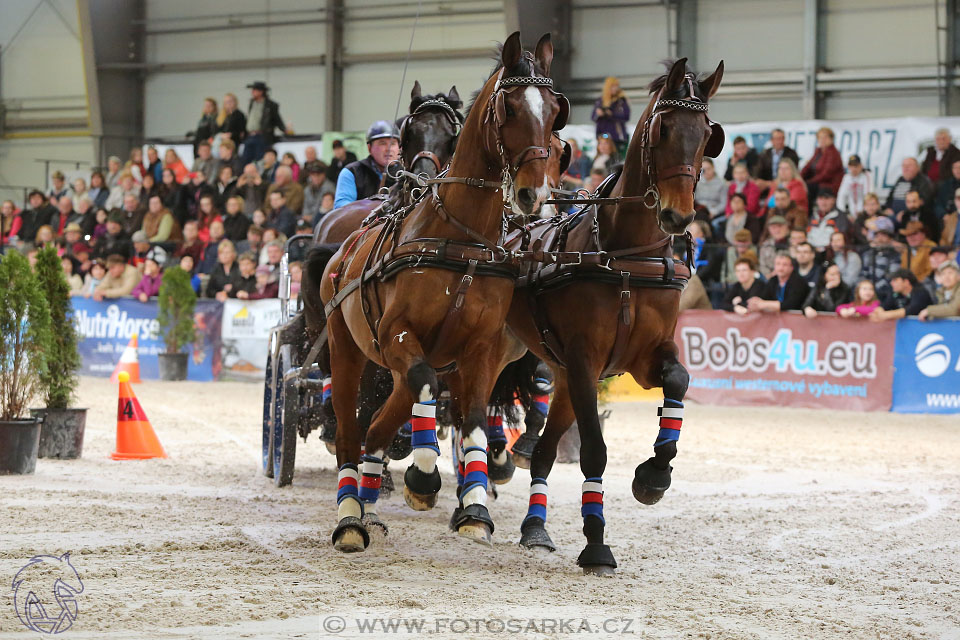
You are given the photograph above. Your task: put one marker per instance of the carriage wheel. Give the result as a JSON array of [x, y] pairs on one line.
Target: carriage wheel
[[268, 399], [285, 421]]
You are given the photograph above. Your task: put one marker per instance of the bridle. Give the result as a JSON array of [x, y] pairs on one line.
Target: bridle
[[453, 116]]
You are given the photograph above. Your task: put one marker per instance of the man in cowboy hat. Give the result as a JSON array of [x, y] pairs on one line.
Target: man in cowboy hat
[[263, 117], [362, 179], [916, 256]]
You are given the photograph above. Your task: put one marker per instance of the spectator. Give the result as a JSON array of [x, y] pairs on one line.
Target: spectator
[[159, 224], [313, 193], [846, 259], [938, 255], [135, 164], [341, 158], [310, 162], [274, 252], [949, 236], [881, 258], [115, 241], [59, 188], [235, 224], [291, 190], [260, 218], [707, 257], [736, 219], [948, 295], [607, 157], [579, 169], [39, 214], [742, 154], [148, 189], [96, 274], [172, 161], [120, 280], [296, 277], [58, 221], [908, 298], [807, 266], [743, 185], [205, 162], [742, 246], [290, 160], [9, 222], [225, 275], [192, 245], [777, 241], [141, 247], [825, 168], [263, 117], [206, 216], [114, 170], [797, 237], [251, 187], [747, 286], [190, 195], [231, 123], [267, 166], [281, 217], [149, 285], [44, 237], [943, 203], [854, 187], [229, 158], [267, 287], [206, 128], [940, 157], [74, 281], [84, 216], [712, 190], [784, 207], [169, 190], [789, 178], [363, 178], [79, 191], [866, 222], [826, 220], [611, 113], [863, 304], [829, 292], [98, 190], [597, 176], [916, 256], [187, 263], [254, 242], [247, 280], [910, 180], [768, 166], [225, 186], [133, 214], [211, 252], [916, 211], [126, 186], [785, 291], [154, 166]]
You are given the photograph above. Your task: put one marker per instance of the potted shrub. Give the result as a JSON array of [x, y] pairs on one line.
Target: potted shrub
[[24, 341], [177, 301], [61, 428]]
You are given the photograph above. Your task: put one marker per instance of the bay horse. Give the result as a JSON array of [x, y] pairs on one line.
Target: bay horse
[[613, 263], [430, 289], [428, 138]]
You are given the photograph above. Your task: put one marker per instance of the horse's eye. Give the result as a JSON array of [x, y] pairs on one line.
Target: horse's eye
[[510, 112]]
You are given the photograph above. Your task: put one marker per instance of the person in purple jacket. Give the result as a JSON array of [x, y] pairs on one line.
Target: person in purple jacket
[[149, 285], [611, 112]]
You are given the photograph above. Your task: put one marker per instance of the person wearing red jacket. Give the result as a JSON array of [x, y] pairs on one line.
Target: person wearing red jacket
[[744, 185], [825, 168]]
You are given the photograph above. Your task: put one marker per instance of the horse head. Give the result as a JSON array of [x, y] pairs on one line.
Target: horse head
[[674, 135], [428, 135]]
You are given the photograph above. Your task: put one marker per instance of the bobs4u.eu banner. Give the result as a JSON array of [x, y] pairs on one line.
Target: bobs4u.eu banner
[[788, 360]]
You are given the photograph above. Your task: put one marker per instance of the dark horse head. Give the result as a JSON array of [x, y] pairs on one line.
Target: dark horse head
[[675, 134], [428, 135]]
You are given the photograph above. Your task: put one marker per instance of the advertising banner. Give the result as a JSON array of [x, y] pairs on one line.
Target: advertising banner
[[104, 329], [927, 378], [245, 335], [787, 360]]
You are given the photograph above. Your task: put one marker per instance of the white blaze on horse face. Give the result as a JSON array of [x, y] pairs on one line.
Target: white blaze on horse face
[[543, 193], [535, 101]]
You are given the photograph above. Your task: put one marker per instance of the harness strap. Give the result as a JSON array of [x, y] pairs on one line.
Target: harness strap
[[455, 308], [623, 325]]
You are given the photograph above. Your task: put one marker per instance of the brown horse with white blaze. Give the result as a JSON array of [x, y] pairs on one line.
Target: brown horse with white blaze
[[430, 290], [608, 301]]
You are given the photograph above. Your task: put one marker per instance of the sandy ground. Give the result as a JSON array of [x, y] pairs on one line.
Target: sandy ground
[[780, 524]]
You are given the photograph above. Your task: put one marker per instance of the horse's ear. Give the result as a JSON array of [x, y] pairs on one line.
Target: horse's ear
[[711, 83], [512, 49], [676, 75], [453, 96], [544, 53], [416, 93]]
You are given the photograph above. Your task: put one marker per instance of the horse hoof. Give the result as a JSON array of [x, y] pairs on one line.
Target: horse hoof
[[442, 431], [350, 536], [521, 462], [601, 570], [536, 538], [501, 473], [646, 495], [455, 518], [331, 447], [650, 483], [374, 524], [476, 531], [419, 502]]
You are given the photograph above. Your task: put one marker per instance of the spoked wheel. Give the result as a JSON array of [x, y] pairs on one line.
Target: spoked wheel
[[269, 395], [285, 421]]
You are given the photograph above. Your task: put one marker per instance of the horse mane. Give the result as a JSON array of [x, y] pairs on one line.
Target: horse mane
[[526, 67], [661, 80]]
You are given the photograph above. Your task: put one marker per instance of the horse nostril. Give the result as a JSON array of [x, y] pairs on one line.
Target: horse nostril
[[527, 196]]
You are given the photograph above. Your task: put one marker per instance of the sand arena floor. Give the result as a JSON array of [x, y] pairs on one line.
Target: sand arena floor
[[780, 524]]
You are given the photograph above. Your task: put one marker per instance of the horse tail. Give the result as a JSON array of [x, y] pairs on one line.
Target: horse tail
[[314, 316], [517, 381]]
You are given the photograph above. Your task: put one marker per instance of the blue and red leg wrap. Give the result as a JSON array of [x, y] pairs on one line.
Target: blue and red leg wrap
[[671, 419], [538, 500], [592, 498], [370, 478], [423, 425]]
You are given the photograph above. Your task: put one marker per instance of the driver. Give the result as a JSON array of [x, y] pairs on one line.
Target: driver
[[363, 178]]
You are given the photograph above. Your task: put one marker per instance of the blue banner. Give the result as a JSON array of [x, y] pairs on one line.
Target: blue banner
[[927, 366], [104, 329]]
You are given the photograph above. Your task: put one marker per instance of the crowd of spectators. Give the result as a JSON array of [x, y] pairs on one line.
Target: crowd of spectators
[[223, 215]]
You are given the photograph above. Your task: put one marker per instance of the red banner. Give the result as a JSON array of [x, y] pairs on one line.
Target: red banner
[[787, 360]]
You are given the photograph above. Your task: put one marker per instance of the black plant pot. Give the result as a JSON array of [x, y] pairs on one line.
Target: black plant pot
[[61, 432], [173, 366], [19, 440]]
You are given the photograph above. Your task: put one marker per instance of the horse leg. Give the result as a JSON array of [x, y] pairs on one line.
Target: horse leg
[[347, 363], [501, 466], [535, 416], [652, 477], [596, 558], [533, 532]]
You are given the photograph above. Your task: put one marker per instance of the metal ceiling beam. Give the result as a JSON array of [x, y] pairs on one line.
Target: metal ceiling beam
[[333, 72], [812, 58], [533, 18]]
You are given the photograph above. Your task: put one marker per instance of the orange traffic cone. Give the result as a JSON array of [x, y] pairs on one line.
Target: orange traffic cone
[[129, 362], [136, 439]]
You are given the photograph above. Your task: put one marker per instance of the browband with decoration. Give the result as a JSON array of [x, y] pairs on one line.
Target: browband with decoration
[[517, 81]]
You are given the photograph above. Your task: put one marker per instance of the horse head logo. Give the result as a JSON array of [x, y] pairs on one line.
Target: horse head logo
[[45, 594]]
